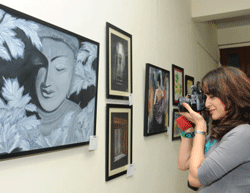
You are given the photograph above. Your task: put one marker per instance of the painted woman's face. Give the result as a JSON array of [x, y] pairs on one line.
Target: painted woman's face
[[53, 83], [215, 106]]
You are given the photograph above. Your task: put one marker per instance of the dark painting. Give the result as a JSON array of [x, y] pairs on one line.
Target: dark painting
[[156, 115]]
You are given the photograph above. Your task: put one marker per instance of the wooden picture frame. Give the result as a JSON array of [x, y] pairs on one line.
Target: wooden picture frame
[[118, 140], [176, 131], [48, 84], [189, 81], [178, 83], [157, 97], [119, 63]]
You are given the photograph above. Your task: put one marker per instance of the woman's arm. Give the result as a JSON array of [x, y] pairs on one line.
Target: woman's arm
[[197, 155], [185, 152]]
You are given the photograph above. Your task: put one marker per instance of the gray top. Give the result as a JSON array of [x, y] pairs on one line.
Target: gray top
[[226, 167]]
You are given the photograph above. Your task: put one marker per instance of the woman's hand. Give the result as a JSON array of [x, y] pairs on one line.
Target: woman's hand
[[193, 116]]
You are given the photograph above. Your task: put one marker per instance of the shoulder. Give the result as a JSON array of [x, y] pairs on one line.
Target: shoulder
[[244, 128], [241, 132]]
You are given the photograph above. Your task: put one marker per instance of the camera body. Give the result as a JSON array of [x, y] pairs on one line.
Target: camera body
[[196, 100]]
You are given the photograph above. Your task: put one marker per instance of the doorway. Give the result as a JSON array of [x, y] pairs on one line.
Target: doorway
[[236, 57]]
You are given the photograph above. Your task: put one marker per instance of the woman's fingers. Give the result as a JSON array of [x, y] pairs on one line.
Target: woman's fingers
[[187, 107]]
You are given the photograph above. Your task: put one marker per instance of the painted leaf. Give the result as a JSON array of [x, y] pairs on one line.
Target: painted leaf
[[10, 137], [11, 91], [30, 29], [29, 123], [4, 54], [2, 104], [86, 118], [8, 35], [25, 145], [85, 75], [40, 141], [17, 114], [67, 119], [53, 139], [31, 107]]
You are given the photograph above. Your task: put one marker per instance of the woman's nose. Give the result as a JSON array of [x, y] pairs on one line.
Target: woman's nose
[[47, 80]]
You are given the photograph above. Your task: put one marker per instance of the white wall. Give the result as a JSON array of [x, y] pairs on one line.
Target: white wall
[[204, 10], [234, 36], [163, 34]]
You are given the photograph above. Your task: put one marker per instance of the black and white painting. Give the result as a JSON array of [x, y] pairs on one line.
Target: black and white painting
[[119, 62], [48, 85]]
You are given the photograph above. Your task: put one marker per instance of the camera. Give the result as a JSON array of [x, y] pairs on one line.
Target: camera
[[196, 100]]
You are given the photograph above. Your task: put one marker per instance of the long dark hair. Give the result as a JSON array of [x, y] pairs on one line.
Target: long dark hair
[[232, 87]]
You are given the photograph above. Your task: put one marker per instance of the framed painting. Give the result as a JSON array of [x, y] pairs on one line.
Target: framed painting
[[178, 83], [157, 95], [189, 81], [118, 140], [48, 81], [119, 63], [176, 131]]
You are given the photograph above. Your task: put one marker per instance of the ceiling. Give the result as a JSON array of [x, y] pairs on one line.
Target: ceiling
[[232, 22]]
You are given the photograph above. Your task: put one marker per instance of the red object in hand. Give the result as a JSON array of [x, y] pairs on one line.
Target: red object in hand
[[184, 123]]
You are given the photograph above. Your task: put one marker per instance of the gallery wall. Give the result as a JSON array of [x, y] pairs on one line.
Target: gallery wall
[[234, 35], [163, 34], [203, 10]]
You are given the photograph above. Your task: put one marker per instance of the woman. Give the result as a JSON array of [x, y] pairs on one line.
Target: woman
[[220, 162]]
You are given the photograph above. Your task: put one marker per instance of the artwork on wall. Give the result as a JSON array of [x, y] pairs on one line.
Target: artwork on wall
[[48, 81], [119, 63], [157, 95], [118, 140], [178, 83], [176, 131], [189, 81]]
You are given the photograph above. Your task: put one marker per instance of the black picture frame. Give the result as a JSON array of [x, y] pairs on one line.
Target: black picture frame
[[48, 99], [118, 140], [156, 104], [119, 63], [189, 81], [177, 84], [176, 131]]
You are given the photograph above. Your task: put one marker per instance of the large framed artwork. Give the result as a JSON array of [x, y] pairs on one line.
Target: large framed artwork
[[157, 95], [178, 83], [119, 63], [48, 81], [118, 140], [189, 81], [176, 130]]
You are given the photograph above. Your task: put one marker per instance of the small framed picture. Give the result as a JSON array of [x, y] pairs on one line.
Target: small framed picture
[[156, 108], [176, 131], [189, 81], [118, 140], [119, 63], [178, 83]]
